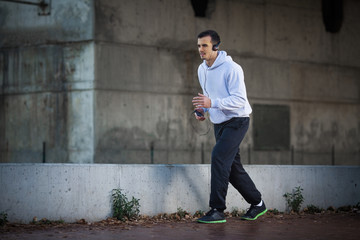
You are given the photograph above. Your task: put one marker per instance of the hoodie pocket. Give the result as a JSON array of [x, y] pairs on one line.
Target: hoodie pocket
[[217, 116]]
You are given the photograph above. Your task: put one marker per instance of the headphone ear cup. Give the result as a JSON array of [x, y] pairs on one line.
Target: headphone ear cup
[[216, 47]]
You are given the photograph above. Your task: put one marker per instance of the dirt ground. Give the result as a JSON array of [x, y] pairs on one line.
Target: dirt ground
[[344, 226]]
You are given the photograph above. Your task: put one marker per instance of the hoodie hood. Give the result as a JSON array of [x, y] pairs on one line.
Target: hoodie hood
[[220, 59]]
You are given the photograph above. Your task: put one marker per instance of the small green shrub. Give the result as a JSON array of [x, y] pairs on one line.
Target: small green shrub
[[45, 221], [199, 213], [346, 208], [236, 212], [181, 213], [349, 208], [274, 211], [331, 209], [123, 209], [313, 209], [3, 218], [294, 199]]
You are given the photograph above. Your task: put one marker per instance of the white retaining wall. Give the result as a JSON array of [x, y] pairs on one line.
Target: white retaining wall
[[74, 191]]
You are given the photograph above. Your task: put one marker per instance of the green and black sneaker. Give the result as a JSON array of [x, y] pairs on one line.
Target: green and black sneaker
[[213, 216], [254, 212]]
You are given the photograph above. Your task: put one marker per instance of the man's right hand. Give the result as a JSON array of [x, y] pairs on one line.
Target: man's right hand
[[200, 118]]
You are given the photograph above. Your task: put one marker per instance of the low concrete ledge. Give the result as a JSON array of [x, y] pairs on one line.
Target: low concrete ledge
[[75, 191]]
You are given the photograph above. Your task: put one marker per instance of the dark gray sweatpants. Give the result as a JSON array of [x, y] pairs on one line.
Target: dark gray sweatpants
[[226, 165]]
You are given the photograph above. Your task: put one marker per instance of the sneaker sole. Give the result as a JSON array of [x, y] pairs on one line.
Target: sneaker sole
[[217, 221], [252, 219]]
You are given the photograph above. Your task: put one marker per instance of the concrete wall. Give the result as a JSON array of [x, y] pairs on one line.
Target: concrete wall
[[112, 81], [148, 76], [68, 21], [47, 82], [74, 191]]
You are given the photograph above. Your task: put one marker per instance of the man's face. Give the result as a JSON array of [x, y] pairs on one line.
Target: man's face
[[205, 48]]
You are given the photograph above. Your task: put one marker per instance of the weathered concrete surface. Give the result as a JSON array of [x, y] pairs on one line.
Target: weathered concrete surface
[[75, 191], [112, 81], [68, 21], [48, 98], [288, 59], [47, 81]]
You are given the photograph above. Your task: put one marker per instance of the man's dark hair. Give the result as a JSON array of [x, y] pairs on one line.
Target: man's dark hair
[[215, 38]]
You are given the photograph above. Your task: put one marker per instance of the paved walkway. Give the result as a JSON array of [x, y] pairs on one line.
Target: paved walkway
[[314, 227]]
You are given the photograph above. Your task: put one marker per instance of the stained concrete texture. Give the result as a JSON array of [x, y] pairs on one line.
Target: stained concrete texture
[[104, 81], [74, 191]]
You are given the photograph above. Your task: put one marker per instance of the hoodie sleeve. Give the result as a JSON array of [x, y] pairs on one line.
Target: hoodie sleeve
[[201, 81], [236, 90]]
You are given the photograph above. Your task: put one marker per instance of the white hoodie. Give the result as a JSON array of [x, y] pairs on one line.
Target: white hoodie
[[224, 84]]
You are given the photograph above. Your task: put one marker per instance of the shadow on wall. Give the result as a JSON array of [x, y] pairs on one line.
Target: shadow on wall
[[121, 145], [3, 145], [171, 142], [175, 188]]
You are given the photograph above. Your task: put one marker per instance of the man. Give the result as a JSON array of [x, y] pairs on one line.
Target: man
[[224, 98]]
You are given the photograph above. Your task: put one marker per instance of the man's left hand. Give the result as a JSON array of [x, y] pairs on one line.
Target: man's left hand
[[201, 101]]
